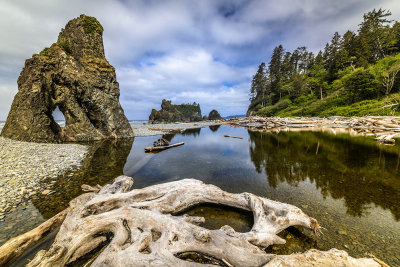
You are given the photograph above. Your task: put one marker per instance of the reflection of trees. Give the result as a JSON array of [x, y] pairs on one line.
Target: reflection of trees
[[355, 169], [104, 162], [214, 128]]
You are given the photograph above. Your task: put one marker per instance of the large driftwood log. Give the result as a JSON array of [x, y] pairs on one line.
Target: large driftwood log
[[118, 227]]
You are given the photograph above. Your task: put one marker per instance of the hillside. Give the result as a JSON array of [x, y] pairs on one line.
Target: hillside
[[356, 74]]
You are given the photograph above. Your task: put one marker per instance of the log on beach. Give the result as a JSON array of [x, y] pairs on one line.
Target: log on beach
[[160, 148]]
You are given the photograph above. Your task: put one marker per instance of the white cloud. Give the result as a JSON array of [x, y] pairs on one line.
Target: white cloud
[[203, 51], [185, 77]]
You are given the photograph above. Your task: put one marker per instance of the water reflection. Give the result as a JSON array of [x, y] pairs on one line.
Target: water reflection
[[350, 184], [192, 132], [355, 169], [214, 128], [106, 160]]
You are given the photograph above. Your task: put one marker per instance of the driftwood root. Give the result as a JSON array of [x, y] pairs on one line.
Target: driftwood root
[[142, 227]]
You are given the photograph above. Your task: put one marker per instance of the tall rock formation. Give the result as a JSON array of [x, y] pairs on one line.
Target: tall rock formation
[[175, 113], [73, 75], [214, 115]]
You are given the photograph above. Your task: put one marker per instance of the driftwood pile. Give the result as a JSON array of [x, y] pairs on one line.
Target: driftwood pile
[[384, 128], [117, 226]]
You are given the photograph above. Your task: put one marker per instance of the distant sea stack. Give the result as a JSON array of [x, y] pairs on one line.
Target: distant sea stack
[[214, 115], [175, 113], [73, 75]]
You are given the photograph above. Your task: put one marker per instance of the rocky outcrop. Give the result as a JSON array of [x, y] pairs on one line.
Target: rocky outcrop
[[73, 75], [175, 113], [167, 113], [214, 115]]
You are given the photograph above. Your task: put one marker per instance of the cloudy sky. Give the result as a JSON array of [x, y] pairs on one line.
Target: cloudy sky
[[190, 50]]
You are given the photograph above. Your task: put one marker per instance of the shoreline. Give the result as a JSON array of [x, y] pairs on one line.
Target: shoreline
[[383, 128], [141, 130]]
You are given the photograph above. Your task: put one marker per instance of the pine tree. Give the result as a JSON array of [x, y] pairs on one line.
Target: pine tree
[[317, 76], [377, 37], [258, 85], [275, 71]]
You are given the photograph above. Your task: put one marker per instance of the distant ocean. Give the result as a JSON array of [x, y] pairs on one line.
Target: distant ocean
[[137, 122]]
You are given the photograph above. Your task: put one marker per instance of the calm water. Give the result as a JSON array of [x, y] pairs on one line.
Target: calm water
[[351, 185]]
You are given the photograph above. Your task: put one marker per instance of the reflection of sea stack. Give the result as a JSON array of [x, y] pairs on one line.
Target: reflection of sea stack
[[214, 128], [73, 75]]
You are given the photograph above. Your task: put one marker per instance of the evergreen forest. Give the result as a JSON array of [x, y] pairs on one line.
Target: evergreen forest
[[356, 74]]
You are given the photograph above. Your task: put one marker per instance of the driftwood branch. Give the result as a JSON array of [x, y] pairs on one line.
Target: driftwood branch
[[118, 227], [16, 246]]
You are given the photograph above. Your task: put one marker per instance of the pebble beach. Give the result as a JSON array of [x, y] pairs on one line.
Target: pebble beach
[[27, 168]]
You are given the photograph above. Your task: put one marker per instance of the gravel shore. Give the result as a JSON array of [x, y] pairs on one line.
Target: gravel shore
[[157, 129], [27, 168]]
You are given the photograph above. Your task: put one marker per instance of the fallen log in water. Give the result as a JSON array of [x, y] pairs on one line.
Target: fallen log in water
[[231, 136], [159, 148], [119, 227]]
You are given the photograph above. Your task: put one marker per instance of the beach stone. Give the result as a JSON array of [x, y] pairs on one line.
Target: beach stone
[[46, 192], [74, 76], [342, 232]]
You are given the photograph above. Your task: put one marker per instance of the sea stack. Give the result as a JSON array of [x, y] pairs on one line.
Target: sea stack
[[175, 113], [73, 75], [214, 115]]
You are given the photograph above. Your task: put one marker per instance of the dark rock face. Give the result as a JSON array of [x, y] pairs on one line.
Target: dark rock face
[[175, 113], [214, 115], [73, 75]]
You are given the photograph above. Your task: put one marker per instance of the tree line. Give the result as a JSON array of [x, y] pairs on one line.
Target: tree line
[[357, 66]]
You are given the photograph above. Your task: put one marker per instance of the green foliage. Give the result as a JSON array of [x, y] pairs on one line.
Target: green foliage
[[66, 46], [45, 52], [258, 107], [350, 76], [91, 25], [188, 110], [272, 110], [360, 85]]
